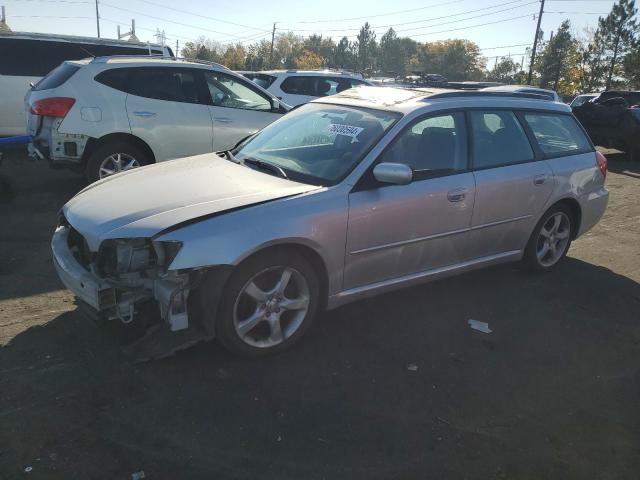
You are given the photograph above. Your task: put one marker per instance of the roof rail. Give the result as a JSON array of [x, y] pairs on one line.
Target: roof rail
[[479, 93], [104, 59]]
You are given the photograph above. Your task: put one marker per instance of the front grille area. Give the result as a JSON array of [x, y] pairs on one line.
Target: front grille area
[[79, 247]]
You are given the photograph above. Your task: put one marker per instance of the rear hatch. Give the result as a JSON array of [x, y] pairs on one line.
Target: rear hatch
[[43, 90]]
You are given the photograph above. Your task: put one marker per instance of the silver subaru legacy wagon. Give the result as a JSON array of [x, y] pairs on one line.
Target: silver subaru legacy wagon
[[346, 197]]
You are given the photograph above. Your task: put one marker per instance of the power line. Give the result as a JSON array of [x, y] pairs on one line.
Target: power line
[[397, 12], [439, 18], [52, 1], [507, 46], [203, 16], [165, 20], [473, 26]]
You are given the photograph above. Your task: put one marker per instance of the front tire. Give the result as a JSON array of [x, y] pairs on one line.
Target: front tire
[[114, 158], [550, 240], [268, 304]]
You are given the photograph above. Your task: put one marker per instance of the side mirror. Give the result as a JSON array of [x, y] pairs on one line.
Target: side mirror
[[394, 173], [275, 104]]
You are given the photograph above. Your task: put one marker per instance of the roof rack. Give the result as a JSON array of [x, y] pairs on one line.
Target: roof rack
[[478, 93], [104, 59], [328, 70]]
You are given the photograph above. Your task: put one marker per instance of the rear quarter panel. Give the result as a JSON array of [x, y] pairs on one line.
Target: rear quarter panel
[[578, 177]]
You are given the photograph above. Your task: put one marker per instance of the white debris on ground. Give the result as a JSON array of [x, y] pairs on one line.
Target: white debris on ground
[[479, 326]]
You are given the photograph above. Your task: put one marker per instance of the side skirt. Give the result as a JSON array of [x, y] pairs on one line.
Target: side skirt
[[389, 285]]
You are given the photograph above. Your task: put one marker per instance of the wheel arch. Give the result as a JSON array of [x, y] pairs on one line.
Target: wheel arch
[[94, 143], [306, 251], [576, 212]]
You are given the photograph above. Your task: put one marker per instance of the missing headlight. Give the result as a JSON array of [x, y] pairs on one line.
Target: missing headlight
[[125, 256], [167, 252]]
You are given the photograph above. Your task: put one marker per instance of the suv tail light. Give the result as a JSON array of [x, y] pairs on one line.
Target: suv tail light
[[602, 163], [52, 107]]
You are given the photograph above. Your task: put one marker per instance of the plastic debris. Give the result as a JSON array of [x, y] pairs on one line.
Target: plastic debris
[[412, 367], [137, 475], [480, 326], [28, 469]]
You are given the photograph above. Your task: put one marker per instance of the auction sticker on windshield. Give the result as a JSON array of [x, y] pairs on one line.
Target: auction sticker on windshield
[[347, 130]]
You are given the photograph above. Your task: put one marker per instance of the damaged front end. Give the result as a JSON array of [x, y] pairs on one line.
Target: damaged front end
[[119, 280]]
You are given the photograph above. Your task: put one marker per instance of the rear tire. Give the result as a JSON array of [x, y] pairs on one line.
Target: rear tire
[[550, 240], [113, 158], [268, 303]]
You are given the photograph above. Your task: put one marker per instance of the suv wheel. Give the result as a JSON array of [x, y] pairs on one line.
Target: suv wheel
[[550, 240], [113, 158], [268, 304]]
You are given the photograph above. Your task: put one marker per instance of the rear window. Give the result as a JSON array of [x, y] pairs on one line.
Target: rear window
[[57, 77], [557, 134], [317, 86], [263, 79]]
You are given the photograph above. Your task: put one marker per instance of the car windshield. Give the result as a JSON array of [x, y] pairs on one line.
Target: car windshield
[[318, 143], [580, 100]]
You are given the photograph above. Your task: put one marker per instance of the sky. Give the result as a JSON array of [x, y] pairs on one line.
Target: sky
[[499, 27]]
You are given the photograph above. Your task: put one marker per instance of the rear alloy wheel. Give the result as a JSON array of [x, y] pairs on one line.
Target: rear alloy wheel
[[550, 239], [269, 303], [114, 158]]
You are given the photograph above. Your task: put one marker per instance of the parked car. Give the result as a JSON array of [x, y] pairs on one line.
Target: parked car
[[296, 87], [612, 120], [109, 114], [343, 198], [582, 99], [549, 94], [33, 55]]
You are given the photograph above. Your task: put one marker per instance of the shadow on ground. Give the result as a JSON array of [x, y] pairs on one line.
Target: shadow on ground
[[552, 393]]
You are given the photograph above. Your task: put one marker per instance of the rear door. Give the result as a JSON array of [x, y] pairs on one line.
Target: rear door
[[513, 184], [238, 108], [167, 108], [399, 230]]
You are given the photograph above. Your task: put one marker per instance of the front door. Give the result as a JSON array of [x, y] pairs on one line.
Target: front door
[[168, 110], [398, 230], [512, 185], [237, 109]]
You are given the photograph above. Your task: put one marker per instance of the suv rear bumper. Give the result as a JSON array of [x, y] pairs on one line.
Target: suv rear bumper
[[593, 206]]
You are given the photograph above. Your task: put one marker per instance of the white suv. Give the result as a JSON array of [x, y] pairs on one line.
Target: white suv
[[296, 87], [109, 114]]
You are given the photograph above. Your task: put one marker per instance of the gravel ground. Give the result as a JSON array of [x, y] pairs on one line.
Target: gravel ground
[[552, 393]]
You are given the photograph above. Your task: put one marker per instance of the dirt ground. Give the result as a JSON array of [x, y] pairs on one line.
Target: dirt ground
[[552, 393]]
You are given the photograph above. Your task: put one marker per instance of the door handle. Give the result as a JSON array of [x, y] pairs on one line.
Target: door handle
[[457, 195], [223, 119], [539, 179], [145, 114]]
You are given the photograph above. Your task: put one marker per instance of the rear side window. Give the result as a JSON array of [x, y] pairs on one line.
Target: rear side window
[[115, 78], [498, 139], [170, 84], [299, 86], [57, 77], [262, 79], [557, 134]]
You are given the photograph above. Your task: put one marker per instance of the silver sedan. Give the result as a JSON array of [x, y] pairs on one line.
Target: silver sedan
[[344, 198]]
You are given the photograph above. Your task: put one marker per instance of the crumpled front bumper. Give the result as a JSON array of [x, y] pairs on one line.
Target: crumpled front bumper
[[115, 299], [84, 285]]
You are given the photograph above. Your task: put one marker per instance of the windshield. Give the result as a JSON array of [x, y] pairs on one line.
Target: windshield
[[580, 99], [318, 143]]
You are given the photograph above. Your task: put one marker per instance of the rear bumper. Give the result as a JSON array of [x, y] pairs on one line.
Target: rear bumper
[[593, 206], [84, 285]]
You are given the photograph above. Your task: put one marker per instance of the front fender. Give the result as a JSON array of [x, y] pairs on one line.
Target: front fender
[[317, 221]]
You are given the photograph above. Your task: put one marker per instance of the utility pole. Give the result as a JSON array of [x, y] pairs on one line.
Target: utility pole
[[273, 38], [535, 43], [177, 48], [97, 19]]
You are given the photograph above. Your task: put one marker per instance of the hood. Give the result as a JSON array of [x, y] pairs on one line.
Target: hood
[[144, 201]]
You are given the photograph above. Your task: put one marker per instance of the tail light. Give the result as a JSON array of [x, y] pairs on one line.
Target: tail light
[[52, 107], [602, 163]]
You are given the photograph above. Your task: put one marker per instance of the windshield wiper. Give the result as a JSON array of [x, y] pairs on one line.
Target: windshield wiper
[[266, 166]]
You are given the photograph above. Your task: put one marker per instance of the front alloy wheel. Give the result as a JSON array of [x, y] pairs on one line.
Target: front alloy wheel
[[271, 307], [267, 304]]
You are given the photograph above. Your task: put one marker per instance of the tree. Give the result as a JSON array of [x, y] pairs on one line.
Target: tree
[[504, 71], [632, 67], [392, 56], [366, 45], [344, 55], [455, 59], [203, 49], [309, 61], [258, 56], [617, 32], [234, 57], [556, 64], [288, 47]]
